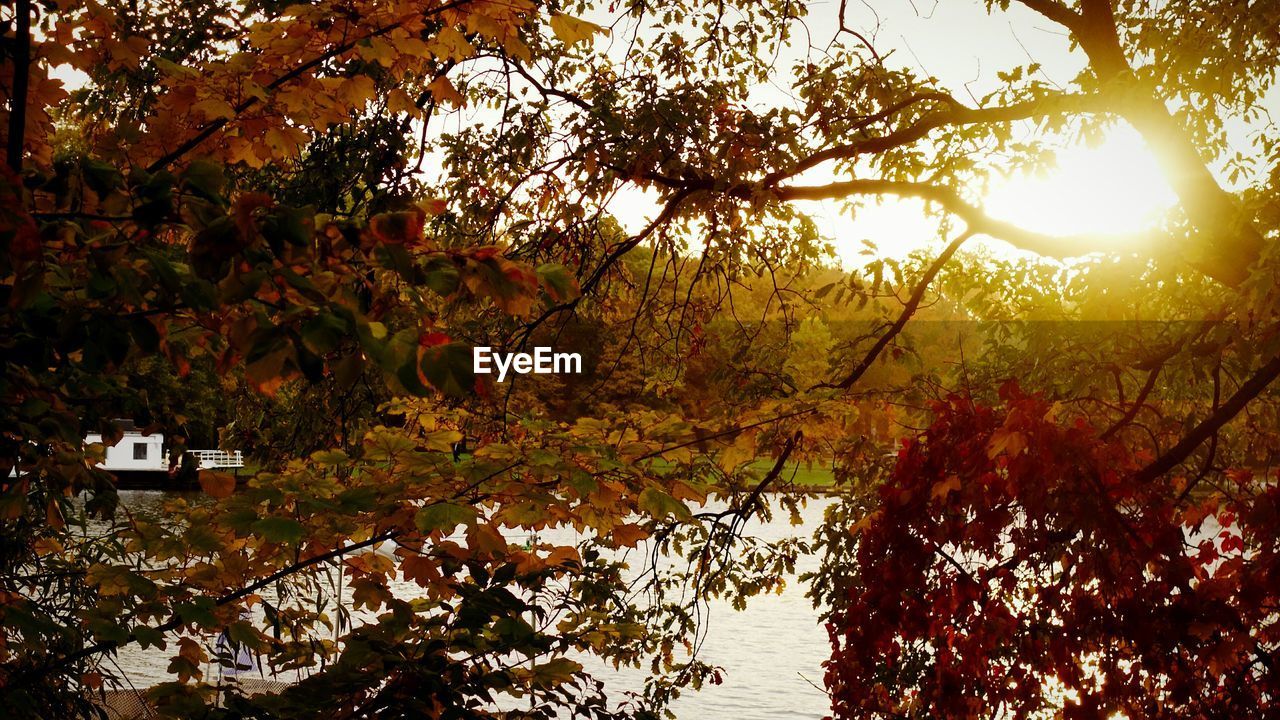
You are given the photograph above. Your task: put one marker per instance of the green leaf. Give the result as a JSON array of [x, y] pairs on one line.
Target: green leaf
[[289, 225], [324, 332], [449, 368], [407, 374], [559, 282], [444, 516], [100, 176], [442, 276], [199, 612], [659, 504], [205, 179], [149, 637], [279, 530]]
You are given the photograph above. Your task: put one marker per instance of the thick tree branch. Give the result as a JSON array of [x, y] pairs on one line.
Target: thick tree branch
[[1055, 11], [1212, 424], [1229, 242], [977, 220], [21, 79], [954, 114]]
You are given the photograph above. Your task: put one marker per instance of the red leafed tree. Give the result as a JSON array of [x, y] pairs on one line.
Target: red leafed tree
[[1018, 564]]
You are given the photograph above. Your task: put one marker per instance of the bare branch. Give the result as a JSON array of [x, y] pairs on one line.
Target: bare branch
[[908, 310]]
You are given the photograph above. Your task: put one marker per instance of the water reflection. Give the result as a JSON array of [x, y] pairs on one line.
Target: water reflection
[[771, 653]]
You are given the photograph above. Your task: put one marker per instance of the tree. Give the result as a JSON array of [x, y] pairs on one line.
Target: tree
[[294, 195]]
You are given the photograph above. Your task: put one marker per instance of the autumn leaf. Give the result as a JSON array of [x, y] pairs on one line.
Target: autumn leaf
[[445, 516], [398, 228], [661, 505], [556, 672], [572, 30], [217, 484], [946, 487], [356, 91], [215, 108], [449, 44], [627, 534], [1011, 442], [444, 91], [280, 530]]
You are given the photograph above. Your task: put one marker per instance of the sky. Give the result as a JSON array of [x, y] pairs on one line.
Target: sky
[[1115, 187]]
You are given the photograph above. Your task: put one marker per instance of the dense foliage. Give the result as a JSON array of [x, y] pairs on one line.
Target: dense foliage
[[286, 225]]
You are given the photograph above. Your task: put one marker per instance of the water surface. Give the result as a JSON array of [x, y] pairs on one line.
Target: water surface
[[771, 652]]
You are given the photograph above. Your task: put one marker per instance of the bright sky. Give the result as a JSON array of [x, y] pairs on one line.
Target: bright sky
[[1115, 187]]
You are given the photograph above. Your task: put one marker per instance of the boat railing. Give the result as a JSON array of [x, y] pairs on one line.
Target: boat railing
[[209, 459]]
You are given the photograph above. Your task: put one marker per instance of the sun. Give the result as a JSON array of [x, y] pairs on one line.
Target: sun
[[1113, 188], [1116, 187]]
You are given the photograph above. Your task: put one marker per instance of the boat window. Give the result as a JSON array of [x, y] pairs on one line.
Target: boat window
[[140, 451]]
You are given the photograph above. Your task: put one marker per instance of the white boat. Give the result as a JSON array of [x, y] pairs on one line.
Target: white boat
[[136, 452], [140, 459]]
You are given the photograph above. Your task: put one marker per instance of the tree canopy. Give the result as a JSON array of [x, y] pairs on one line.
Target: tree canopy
[[283, 227]]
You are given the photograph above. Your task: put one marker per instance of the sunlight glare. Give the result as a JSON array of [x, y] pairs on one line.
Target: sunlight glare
[[1114, 188]]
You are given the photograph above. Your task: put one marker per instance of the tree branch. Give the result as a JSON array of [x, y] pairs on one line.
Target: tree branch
[[1230, 241], [978, 221], [955, 114], [175, 622], [210, 128], [1210, 426], [21, 80], [907, 311], [1055, 11]]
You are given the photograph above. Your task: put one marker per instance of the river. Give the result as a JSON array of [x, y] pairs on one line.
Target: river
[[771, 652]]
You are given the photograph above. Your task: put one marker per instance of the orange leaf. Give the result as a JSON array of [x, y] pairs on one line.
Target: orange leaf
[[217, 484], [444, 91], [628, 535]]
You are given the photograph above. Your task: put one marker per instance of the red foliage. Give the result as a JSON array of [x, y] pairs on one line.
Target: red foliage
[[1014, 566]]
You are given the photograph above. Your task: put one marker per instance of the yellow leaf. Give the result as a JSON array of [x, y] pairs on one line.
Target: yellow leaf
[[379, 51], [943, 489], [357, 91], [572, 30], [214, 108], [411, 46], [399, 101], [449, 44], [1006, 441], [286, 140], [445, 92], [241, 150], [742, 450], [517, 49]]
